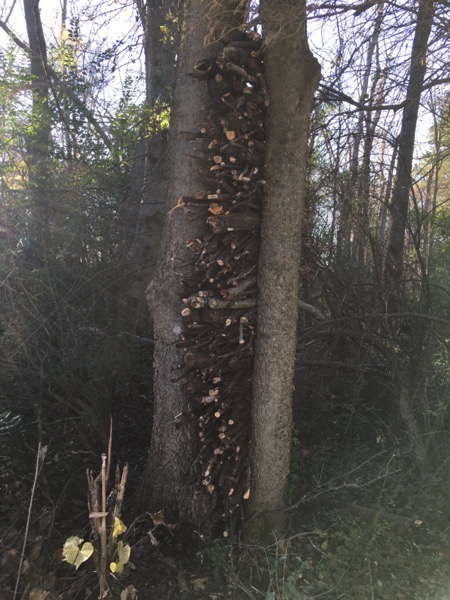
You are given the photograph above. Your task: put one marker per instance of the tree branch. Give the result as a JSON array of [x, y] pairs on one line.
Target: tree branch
[[51, 74]]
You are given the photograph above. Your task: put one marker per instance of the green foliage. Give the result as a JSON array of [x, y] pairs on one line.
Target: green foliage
[[169, 32], [14, 117], [132, 122], [386, 541], [217, 555]]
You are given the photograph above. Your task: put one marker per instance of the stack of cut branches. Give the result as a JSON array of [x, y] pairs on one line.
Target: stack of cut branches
[[219, 311]]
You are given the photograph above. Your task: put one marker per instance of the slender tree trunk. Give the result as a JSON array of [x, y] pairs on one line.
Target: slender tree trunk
[[360, 165], [431, 196], [411, 370], [168, 481], [400, 195], [148, 187], [38, 141], [292, 74]]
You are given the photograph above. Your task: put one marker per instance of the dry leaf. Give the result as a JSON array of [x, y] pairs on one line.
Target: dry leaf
[[49, 580], [199, 583], [26, 567], [36, 549], [9, 562], [153, 540], [158, 518], [38, 594], [129, 593], [123, 552]]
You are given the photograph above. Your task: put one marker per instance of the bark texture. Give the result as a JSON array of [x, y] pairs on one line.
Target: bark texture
[[38, 140], [169, 482], [148, 187], [401, 191], [292, 74]]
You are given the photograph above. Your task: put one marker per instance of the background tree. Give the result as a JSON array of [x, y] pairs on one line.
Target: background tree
[[38, 145], [150, 178]]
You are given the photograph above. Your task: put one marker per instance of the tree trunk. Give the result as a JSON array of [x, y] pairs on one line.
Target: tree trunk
[[360, 165], [400, 196], [148, 186], [168, 482], [292, 74], [38, 140]]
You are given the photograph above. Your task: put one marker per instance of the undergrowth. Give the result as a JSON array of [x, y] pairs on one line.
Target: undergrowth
[[363, 525]]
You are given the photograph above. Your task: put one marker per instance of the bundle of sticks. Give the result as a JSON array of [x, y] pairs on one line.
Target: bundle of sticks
[[219, 302]]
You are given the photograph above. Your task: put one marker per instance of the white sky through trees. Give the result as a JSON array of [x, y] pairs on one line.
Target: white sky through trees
[[111, 47]]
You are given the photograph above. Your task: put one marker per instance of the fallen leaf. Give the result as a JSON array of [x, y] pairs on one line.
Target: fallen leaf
[[38, 594], [26, 567], [123, 552], [153, 540], [129, 593], [36, 549], [158, 518], [75, 555], [199, 583], [9, 561]]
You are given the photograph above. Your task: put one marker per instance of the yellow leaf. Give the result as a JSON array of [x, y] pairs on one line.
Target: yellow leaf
[[71, 554], [72, 541], [75, 555], [123, 552], [86, 551], [116, 567], [119, 527]]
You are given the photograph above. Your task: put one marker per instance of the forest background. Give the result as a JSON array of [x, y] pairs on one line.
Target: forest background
[[85, 107]]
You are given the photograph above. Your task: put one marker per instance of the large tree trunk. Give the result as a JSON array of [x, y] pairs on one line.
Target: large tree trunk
[[292, 74], [168, 482], [401, 191], [38, 140]]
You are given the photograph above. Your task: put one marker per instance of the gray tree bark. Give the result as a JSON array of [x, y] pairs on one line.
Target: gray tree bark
[[292, 74], [148, 187], [38, 140], [400, 196], [168, 482]]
